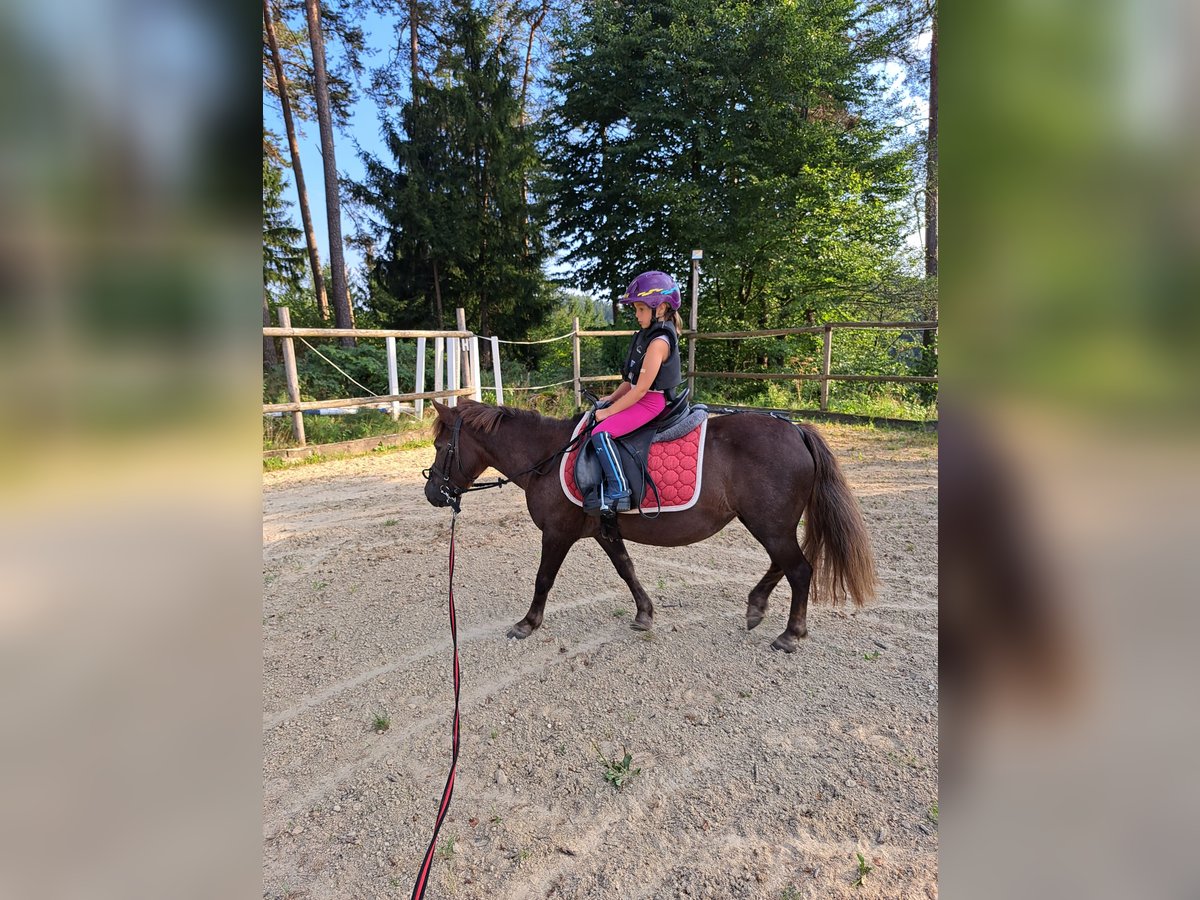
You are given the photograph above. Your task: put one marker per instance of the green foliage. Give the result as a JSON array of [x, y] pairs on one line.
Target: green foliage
[[283, 258], [617, 772], [863, 871], [277, 431], [742, 128], [460, 224]]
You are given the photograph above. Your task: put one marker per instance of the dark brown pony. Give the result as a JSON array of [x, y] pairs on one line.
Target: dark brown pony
[[762, 470]]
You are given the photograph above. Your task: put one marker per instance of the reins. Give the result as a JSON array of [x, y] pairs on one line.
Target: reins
[[453, 493], [448, 790]]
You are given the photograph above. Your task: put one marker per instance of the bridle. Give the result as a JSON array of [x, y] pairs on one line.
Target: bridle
[[453, 493], [448, 489]]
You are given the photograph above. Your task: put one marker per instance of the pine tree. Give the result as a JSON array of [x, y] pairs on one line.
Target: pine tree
[[459, 228]]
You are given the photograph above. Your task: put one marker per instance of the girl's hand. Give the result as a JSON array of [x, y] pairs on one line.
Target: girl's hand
[[602, 414]]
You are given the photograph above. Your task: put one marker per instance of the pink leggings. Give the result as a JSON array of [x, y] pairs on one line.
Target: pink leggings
[[635, 417]]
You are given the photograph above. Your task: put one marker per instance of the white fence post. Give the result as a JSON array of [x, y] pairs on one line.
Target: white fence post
[[453, 349], [439, 369], [393, 376], [496, 370], [419, 379], [475, 365]]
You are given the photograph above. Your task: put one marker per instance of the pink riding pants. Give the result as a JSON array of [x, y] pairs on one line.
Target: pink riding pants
[[635, 417]]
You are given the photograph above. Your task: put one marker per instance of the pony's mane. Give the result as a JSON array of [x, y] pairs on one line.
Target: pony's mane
[[487, 418]]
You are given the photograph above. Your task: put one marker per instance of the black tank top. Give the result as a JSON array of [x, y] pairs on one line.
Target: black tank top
[[668, 373]]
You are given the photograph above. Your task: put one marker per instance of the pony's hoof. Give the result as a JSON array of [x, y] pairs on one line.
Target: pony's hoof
[[786, 642], [642, 623], [753, 620], [521, 630]]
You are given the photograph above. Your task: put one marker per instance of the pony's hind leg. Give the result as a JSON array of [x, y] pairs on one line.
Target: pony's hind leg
[[756, 605], [554, 551], [799, 577], [614, 546], [786, 557]]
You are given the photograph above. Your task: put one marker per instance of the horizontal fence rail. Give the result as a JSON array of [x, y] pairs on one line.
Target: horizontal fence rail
[[812, 376], [309, 405], [361, 333]]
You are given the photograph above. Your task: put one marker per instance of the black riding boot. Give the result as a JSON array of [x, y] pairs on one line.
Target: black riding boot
[[615, 494]]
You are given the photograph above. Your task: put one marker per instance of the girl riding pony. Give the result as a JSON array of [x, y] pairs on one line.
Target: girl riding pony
[[649, 374]]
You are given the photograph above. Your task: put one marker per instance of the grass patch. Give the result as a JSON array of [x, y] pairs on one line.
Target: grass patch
[[618, 772], [275, 463], [907, 760], [446, 851], [873, 655], [885, 407], [863, 871], [933, 813], [380, 723], [277, 431], [388, 523]]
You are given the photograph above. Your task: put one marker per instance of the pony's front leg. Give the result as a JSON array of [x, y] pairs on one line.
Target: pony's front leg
[[615, 548], [554, 551]]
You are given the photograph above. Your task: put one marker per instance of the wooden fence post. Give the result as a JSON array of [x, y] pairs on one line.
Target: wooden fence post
[[496, 370], [419, 380], [693, 318], [828, 355], [575, 359], [393, 375], [293, 379]]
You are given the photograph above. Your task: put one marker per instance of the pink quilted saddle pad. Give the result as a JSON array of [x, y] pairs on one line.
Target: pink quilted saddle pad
[[675, 466]]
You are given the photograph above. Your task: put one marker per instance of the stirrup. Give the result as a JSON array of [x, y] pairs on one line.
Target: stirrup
[[613, 505]]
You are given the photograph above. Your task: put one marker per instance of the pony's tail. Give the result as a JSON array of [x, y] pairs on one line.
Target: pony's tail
[[835, 539]]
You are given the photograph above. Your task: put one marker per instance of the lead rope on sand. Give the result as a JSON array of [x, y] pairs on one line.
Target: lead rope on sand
[[423, 874]]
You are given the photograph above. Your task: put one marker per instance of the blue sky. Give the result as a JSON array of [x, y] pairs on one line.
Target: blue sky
[[365, 130]]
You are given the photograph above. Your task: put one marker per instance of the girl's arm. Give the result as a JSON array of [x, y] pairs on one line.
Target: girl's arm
[[655, 356], [622, 389]]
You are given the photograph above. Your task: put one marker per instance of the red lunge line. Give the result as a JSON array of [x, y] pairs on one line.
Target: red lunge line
[[448, 790]]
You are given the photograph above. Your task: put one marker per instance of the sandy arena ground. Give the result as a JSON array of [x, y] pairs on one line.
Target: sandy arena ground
[[762, 775]]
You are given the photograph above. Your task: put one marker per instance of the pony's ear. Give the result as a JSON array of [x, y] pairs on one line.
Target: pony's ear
[[445, 413]]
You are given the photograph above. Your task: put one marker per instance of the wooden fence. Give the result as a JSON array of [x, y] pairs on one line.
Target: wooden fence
[[825, 376], [456, 357], [455, 369]]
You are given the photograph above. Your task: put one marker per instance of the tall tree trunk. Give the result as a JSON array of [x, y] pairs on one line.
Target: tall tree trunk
[[343, 318], [270, 354], [413, 49], [310, 235], [346, 276], [931, 173], [534, 25]]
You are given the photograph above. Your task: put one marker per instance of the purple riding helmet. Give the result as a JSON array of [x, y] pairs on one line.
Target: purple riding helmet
[[652, 288]]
